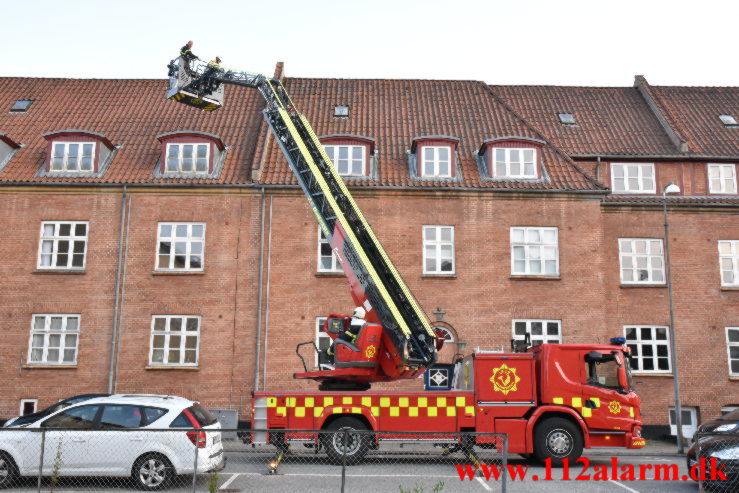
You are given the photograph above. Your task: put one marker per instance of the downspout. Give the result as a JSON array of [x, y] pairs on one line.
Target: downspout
[[114, 335], [597, 169], [259, 299], [266, 312], [123, 293]]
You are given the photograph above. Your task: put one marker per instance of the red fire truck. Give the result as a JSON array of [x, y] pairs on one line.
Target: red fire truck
[[551, 400]]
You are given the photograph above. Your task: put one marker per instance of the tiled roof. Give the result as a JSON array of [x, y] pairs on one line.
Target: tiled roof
[[130, 113], [394, 112], [609, 120], [618, 120], [694, 114]]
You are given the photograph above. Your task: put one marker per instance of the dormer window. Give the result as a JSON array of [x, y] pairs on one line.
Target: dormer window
[[190, 154], [512, 162], [187, 158], [351, 154], [434, 157], [77, 153], [73, 156], [511, 158], [8, 147]]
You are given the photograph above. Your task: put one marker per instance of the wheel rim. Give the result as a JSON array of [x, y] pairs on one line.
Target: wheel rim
[[559, 443], [4, 469], [353, 441], [152, 472]]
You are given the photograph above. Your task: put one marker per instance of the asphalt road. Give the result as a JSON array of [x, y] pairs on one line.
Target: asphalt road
[[246, 471]]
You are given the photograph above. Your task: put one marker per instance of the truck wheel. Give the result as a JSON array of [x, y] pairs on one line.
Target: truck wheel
[[357, 444], [556, 439]]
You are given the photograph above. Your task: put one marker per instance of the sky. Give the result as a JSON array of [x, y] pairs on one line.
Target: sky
[[525, 42]]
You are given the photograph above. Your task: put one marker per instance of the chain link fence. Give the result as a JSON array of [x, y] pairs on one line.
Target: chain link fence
[[206, 460], [713, 460]]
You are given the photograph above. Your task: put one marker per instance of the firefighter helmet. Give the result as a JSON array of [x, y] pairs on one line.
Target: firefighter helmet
[[359, 312]]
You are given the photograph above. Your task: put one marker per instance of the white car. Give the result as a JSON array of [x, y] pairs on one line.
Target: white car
[[116, 436]]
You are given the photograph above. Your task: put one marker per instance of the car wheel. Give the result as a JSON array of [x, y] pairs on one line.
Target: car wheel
[[152, 472], [8, 470], [357, 443], [557, 439]]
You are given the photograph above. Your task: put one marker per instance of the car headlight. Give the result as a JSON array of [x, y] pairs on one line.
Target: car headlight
[[725, 454], [729, 427]]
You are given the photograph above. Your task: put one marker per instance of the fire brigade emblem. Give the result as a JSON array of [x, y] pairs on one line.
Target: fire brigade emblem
[[505, 379], [369, 353], [614, 407]]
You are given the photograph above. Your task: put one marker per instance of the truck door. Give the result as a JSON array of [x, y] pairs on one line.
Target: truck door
[[605, 397]]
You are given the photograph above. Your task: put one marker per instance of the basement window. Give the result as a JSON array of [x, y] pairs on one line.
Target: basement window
[[21, 106], [728, 120], [341, 112], [566, 119]]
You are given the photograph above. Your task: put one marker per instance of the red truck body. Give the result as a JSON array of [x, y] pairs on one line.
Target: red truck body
[[496, 392]]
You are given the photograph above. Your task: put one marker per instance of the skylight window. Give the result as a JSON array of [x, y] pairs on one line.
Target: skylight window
[[566, 119], [341, 111], [728, 120], [21, 106]]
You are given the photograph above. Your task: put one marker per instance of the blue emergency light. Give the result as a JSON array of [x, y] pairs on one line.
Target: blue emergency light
[[618, 341]]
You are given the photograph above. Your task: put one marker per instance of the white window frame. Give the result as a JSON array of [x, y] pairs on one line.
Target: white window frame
[[335, 265], [729, 262], [448, 336], [508, 163], [725, 173], [531, 251], [321, 335], [437, 245], [334, 150], [49, 240], [436, 161], [539, 338], [633, 258], [634, 171], [47, 333], [65, 164], [181, 159], [653, 342], [732, 344], [24, 401], [183, 333], [189, 240]]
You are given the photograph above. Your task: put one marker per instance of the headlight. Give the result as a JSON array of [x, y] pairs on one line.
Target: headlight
[[725, 454], [729, 427]]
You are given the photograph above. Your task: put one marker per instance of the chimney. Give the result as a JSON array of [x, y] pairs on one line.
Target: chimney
[[279, 71]]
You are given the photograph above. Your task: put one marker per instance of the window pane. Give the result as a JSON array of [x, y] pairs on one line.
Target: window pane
[[72, 324], [192, 323], [175, 324], [197, 231]]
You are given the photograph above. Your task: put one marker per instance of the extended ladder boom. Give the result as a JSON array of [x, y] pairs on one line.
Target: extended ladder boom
[[374, 281]]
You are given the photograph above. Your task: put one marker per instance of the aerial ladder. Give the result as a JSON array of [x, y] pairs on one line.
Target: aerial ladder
[[397, 342]]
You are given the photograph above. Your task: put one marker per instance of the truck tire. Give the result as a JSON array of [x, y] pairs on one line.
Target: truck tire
[[557, 439], [357, 444]]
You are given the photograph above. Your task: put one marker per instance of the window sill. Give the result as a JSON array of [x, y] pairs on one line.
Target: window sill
[[330, 274], [650, 375], [59, 271], [173, 367], [734, 379], [730, 288], [177, 272], [438, 276], [534, 278], [37, 366], [627, 286]]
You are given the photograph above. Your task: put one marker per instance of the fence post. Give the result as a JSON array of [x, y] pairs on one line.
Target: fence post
[[195, 462], [505, 463], [41, 462], [343, 461]]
